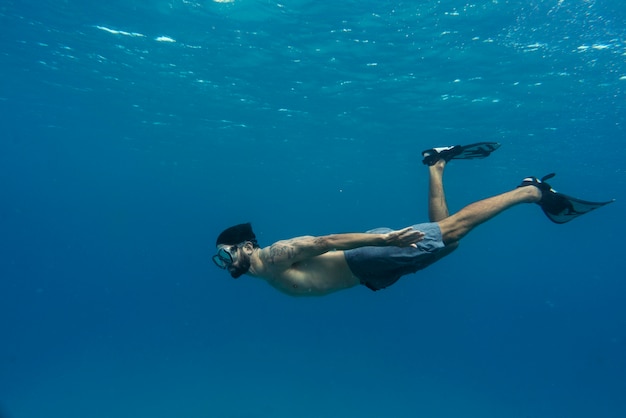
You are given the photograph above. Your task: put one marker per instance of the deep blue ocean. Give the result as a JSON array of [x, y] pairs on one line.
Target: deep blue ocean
[[133, 132]]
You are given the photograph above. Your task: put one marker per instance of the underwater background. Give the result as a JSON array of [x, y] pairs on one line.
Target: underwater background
[[133, 132]]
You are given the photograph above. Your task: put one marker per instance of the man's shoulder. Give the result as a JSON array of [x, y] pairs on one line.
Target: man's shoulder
[[268, 265], [280, 252], [284, 253]]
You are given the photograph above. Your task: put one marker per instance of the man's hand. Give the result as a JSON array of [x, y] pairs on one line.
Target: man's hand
[[406, 237]]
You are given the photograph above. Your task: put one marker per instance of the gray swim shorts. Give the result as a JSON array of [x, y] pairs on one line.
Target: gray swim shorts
[[380, 267]]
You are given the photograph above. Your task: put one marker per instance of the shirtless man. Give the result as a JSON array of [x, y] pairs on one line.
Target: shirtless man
[[316, 266]]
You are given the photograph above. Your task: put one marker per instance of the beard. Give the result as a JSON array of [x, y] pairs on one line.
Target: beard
[[244, 266]]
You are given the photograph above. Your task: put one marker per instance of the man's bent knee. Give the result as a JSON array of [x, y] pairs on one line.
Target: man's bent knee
[[451, 231]]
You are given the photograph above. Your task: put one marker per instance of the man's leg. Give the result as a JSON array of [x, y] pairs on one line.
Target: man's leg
[[455, 227], [437, 206]]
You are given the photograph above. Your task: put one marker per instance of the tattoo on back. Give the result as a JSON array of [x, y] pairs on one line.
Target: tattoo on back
[[288, 250], [282, 251]]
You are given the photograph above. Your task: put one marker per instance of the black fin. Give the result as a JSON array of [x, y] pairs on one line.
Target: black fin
[[558, 207], [459, 152], [561, 208], [477, 150]]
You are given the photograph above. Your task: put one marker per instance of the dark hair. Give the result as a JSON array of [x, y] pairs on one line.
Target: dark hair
[[237, 234]]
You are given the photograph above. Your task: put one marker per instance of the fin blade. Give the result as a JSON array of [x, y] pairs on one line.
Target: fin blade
[[572, 208], [477, 150]]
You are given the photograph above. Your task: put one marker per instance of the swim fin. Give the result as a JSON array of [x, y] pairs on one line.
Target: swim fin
[[558, 207], [459, 152]]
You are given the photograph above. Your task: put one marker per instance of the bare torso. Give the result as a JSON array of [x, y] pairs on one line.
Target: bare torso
[[315, 266], [316, 276]]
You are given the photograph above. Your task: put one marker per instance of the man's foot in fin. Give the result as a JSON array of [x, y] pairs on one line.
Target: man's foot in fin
[[544, 187], [558, 207], [459, 152]]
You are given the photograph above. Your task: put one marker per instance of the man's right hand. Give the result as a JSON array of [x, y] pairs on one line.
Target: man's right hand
[[406, 237]]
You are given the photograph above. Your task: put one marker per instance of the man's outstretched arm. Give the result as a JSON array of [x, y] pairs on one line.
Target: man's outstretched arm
[[301, 248]]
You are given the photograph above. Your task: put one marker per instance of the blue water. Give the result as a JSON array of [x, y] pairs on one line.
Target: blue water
[[133, 132]]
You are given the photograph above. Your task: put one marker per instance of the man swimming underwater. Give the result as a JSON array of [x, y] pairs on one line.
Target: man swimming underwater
[[316, 266]]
